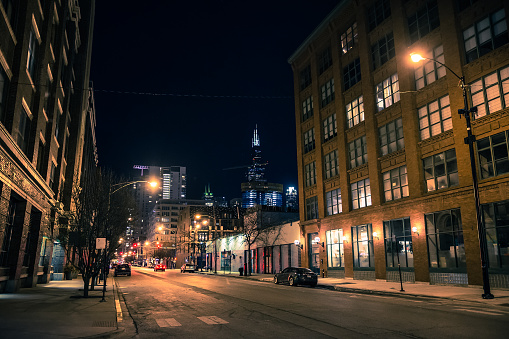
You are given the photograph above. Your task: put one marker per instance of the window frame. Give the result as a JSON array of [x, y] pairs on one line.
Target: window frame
[[349, 38], [377, 13], [356, 231], [434, 166], [305, 77], [391, 140], [309, 140], [382, 51], [327, 94], [358, 152], [360, 195], [387, 92], [425, 20], [332, 245], [310, 173], [395, 182], [307, 108], [497, 227], [429, 71], [312, 208], [435, 235], [495, 41], [355, 112], [334, 202], [494, 151], [428, 120], [331, 164], [352, 74], [324, 60], [479, 90], [329, 127]]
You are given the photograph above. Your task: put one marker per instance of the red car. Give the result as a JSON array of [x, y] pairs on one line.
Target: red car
[[159, 267]]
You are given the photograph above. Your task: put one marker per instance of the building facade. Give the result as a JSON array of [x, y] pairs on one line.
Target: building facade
[[385, 175], [47, 121]]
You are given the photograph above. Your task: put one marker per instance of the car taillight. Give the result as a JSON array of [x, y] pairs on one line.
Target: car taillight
[[164, 266]]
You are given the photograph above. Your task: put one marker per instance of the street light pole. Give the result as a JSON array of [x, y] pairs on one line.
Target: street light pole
[[469, 140]]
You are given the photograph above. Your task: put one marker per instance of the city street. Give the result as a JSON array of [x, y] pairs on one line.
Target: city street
[[170, 303]]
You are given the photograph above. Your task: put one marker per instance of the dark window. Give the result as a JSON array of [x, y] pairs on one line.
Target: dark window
[[496, 220], [327, 92], [398, 243], [423, 21], [309, 140], [324, 60], [493, 154], [310, 173], [485, 35], [352, 74], [383, 50], [444, 233], [305, 77], [333, 201], [441, 170], [331, 164], [358, 151], [391, 137], [307, 108], [311, 208], [378, 12], [362, 246], [330, 129]]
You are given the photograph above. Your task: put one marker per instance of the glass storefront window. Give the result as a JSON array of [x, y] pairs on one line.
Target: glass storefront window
[[398, 243], [335, 249], [496, 221], [362, 246]]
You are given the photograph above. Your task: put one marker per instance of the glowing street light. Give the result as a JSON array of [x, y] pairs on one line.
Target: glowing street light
[[470, 139]]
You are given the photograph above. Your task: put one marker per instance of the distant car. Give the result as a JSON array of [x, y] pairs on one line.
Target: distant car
[[159, 267], [122, 269], [296, 276], [187, 268]]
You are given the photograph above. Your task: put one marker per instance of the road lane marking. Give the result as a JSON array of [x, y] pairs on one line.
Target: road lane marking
[[212, 320], [477, 311], [169, 322]]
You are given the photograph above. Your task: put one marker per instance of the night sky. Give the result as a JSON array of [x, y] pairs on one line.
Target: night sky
[[183, 83]]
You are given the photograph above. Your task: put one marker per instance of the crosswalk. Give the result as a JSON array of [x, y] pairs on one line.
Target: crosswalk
[[172, 322]]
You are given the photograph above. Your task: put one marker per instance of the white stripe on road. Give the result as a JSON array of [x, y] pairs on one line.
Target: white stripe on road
[[477, 311], [169, 322], [212, 320]]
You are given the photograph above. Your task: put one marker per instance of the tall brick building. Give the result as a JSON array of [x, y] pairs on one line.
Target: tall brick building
[[384, 173], [47, 121]]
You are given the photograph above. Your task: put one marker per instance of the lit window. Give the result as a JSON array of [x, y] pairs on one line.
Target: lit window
[[355, 112], [435, 118], [387, 92]]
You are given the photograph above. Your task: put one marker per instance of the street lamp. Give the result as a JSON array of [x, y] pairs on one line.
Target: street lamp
[[470, 139]]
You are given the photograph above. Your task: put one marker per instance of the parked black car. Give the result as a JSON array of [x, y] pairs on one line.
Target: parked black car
[[296, 276], [122, 269]]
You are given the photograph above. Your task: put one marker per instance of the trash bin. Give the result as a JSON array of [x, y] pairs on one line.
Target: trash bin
[[241, 271]]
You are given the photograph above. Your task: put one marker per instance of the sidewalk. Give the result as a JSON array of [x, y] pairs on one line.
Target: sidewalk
[[57, 310], [411, 290]]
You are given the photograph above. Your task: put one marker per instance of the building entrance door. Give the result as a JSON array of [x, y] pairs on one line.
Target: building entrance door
[[314, 253]]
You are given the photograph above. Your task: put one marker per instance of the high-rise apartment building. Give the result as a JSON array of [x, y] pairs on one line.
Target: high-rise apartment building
[[173, 184], [291, 199], [385, 175], [47, 123], [257, 191]]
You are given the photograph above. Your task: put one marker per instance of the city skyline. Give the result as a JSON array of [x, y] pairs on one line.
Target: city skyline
[[197, 80]]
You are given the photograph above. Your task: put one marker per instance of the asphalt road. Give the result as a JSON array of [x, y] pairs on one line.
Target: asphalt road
[[172, 304]]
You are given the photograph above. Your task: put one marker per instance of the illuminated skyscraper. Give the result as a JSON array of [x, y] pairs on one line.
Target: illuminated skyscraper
[[257, 191]]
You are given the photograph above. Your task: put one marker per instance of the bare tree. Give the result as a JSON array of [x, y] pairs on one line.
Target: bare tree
[[96, 213]]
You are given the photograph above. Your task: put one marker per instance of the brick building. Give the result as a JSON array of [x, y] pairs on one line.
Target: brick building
[[47, 121], [384, 173]]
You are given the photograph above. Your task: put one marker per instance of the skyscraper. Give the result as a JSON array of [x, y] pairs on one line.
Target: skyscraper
[[257, 191], [291, 199]]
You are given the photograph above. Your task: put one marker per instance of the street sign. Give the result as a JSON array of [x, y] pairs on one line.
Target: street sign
[[100, 243]]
